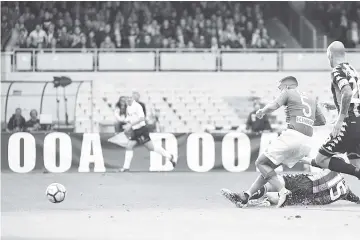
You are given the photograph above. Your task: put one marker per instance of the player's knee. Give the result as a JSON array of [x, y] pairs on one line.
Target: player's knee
[[264, 161], [260, 161], [268, 175], [257, 162]]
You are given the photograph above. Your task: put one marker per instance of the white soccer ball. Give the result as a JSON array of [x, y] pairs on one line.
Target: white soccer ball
[[56, 192]]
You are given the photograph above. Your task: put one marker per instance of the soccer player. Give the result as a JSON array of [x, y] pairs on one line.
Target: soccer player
[[345, 137], [138, 133], [302, 113], [320, 188]]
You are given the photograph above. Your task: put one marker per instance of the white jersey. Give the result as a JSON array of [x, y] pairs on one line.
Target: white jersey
[[134, 113]]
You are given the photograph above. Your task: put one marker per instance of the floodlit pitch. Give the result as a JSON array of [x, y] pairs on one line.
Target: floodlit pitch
[[157, 206]]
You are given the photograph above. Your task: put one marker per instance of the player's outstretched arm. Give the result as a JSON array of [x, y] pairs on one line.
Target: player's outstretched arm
[[281, 100], [271, 107], [351, 197]]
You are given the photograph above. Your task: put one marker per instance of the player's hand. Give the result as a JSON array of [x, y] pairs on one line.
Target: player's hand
[[260, 113], [337, 128]]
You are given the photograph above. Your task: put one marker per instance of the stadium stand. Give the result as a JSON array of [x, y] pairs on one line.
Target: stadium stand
[[339, 20], [109, 25], [181, 109]]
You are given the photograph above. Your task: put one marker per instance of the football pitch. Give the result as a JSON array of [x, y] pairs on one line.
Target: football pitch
[[158, 206]]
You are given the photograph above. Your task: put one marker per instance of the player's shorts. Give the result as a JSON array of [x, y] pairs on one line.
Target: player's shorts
[[290, 147], [348, 141], [141, 135]]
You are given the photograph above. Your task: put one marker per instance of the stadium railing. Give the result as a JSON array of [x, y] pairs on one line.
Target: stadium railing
[[151, 60], [60, 103]]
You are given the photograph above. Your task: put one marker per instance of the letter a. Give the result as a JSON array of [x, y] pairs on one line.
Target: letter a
[[91, 141]]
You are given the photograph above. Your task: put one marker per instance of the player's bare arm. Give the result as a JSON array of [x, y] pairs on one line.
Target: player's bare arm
[[269, 108], [320, 119], [346, 95]]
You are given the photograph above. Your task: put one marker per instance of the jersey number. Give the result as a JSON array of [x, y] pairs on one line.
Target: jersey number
[[340, 190], [307, 108]]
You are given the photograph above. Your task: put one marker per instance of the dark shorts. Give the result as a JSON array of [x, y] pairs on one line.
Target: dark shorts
[[141, 135], [301, 187], [348, 141]]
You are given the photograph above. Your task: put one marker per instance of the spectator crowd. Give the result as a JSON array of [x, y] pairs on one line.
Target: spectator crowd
[[340, 19], [109, 25]]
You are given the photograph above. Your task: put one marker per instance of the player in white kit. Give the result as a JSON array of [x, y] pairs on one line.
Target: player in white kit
[[138, 133]]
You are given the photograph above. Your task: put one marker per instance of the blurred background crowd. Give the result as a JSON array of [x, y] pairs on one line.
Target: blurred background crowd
[[340, 20], [111, 25]]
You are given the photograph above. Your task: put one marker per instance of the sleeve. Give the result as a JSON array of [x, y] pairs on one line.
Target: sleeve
[[140, 110], [339, 77], [282, 99], [352, 197]]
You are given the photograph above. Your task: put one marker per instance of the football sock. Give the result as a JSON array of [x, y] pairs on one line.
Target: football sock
[[275, 182], [260, 193], [256, 186], [162, 152], [128, 157], [337, 164]]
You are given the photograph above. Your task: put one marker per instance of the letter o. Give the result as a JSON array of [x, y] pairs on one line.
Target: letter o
[[228, 152], [193, 150], [50, 152], [14, 152]]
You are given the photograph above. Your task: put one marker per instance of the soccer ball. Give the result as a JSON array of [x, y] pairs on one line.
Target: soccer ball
[[56, 192]]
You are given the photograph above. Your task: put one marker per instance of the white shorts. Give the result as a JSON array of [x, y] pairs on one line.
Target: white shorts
[[289, 148]]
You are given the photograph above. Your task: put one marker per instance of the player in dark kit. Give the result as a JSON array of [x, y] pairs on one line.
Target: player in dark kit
[[345, 137], [321, 188]]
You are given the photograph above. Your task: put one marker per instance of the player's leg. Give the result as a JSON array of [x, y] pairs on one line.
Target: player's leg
[[146, 140], [347, 141], [328, 154], [257, 189], [265, 189], [129, 153], [260, 180], [160, 150], [267, 168]]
